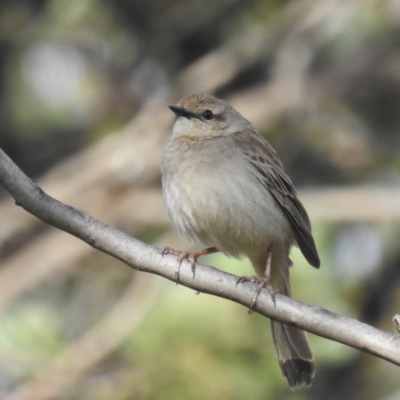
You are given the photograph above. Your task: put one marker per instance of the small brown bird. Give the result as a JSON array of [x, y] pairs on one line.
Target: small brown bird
[[224, 186]]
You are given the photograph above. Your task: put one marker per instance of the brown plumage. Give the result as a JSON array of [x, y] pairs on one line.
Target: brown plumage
[[224, 186]]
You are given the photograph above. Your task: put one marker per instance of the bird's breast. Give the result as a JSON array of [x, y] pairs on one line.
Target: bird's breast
[[212, 195]]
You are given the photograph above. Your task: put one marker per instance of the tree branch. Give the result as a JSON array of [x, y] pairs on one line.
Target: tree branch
[[144, 257]]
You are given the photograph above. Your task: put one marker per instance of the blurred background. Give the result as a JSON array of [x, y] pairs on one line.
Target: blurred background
[[84, 89]]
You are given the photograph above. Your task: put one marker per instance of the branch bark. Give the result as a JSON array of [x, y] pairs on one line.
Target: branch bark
[[146, 258]]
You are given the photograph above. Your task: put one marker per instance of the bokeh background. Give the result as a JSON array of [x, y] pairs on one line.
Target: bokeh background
[[84, 89]]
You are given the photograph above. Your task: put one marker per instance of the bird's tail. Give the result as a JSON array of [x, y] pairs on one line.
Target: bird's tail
[[291, 344]]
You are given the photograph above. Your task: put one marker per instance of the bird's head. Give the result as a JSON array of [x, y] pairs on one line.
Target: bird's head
[[202, 115]]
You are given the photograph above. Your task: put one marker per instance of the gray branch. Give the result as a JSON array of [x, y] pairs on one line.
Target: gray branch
[[146, 258]]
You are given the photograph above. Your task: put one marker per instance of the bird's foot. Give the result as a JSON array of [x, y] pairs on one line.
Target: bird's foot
[[262, 282], [192, 256]]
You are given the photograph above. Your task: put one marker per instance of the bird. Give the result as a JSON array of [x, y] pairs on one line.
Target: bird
[[225, 187]]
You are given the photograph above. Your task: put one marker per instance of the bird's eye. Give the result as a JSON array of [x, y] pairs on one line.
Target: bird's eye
[[208, 115]]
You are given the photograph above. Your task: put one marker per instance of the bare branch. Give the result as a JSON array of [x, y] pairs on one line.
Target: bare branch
[[144, 257]]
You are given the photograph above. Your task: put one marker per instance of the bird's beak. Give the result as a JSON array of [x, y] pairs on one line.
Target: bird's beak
[[181, 112]]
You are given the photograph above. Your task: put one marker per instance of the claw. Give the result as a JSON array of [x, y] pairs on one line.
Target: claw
[[185, 255], [263, 282], [182, 255], [165, 250]]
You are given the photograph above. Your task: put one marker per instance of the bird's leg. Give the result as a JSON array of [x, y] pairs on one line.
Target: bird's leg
[[263, 282], [186, 255]]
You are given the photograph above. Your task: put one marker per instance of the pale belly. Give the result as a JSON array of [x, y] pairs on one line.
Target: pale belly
[[232, 212]]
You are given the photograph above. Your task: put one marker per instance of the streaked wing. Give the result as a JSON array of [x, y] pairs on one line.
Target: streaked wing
[[270, 173]]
